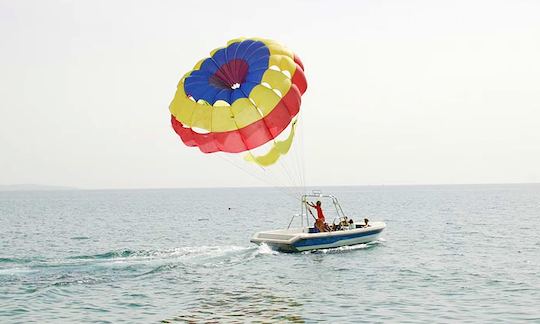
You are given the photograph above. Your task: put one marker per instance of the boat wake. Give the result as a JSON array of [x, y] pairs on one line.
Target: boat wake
[[180, 252], [265, 249], [118, 265]]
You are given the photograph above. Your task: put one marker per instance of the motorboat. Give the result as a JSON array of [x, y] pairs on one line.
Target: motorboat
[[305, 238]]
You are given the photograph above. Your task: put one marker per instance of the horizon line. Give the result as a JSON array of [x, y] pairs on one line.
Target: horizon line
[[311, 187]]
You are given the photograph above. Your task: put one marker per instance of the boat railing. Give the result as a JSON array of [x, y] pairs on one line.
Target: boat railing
[[304, 208]]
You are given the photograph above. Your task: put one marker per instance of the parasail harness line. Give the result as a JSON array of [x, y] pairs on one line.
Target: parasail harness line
[[283, 189], [291, 179]]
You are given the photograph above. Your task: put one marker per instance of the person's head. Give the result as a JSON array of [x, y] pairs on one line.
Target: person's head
[[350, 221], [318, 202], [366, 221]]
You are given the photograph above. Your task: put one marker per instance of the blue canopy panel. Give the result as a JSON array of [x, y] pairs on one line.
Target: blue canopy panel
[[231, 73]]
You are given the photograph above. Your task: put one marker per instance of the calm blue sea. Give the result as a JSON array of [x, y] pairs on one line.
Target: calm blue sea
[[449, 254]]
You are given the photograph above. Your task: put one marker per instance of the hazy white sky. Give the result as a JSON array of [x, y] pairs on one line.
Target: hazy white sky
[[399, 92]]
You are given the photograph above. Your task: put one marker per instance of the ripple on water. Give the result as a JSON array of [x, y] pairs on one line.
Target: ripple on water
[[241, 305]]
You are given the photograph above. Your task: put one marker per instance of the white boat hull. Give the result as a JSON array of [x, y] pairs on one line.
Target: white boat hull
[[298, 240]]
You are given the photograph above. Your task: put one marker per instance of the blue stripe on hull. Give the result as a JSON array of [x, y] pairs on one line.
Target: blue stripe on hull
[[333, 239]]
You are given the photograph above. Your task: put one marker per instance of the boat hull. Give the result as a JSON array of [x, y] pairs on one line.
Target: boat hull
[[298, 240]]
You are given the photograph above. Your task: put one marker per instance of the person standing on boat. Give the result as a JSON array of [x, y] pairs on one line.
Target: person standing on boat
[[320, 222], [318, 207]]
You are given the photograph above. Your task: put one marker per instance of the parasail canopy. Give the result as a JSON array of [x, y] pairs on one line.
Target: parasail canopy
[[241, 97]]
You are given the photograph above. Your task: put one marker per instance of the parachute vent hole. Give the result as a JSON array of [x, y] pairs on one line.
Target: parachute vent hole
[[275, 68], [230, 75], [191, 98], [267, 85], [287, 73]]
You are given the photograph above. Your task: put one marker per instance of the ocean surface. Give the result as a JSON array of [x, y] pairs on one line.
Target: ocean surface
[[449, 254]]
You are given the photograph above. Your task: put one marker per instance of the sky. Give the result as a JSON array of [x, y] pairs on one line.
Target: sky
[[415, 92]]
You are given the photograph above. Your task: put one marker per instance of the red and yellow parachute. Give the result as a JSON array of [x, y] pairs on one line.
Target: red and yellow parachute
[[241, 97]]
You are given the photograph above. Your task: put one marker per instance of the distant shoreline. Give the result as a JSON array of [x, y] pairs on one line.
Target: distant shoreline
[[35, 187]]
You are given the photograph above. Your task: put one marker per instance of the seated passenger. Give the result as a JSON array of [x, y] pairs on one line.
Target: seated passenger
[[327, 228], [366, 223], [351, 224]]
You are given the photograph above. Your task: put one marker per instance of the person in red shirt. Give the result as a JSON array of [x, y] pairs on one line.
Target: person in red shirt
[[320, 223], [318, 207]]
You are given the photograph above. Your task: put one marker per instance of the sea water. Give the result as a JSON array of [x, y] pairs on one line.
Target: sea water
[[449, 254]]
